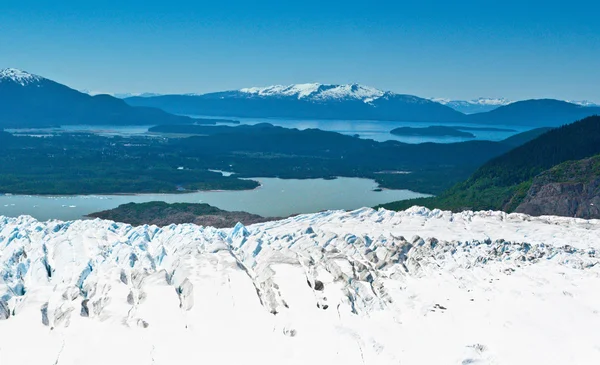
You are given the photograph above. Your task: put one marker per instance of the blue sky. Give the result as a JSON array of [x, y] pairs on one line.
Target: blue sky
[[512, 49]]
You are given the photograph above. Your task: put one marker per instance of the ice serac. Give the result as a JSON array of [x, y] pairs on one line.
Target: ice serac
[[361, 287]]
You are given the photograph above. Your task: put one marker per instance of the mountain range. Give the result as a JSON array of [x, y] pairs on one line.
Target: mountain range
[[306, 101], [34, 101], [479, 105], [540, 112], [482, 105], [358, 102]]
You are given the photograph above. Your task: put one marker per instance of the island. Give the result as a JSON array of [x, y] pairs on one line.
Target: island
[[163, 214], [432, 131]]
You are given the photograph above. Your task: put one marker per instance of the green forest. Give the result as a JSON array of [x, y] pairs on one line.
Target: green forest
[[503, 182]]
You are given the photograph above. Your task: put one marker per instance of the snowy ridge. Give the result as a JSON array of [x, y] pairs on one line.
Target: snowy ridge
[[18, 76], [478, 101], [585, 103], [318, 91], [361, 287], [479, 105], [120, 95]]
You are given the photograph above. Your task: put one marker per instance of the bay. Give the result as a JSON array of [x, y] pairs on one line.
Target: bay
[[274, 198]]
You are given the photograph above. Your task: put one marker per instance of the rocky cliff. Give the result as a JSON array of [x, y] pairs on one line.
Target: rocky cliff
[[571, 189]]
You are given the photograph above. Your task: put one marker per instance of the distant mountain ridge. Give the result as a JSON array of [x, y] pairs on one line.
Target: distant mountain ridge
[[316, 101], [120, 95], [29, 100], [535, 113], [360, 102], [479, 105], [482, 105], [320, 92]]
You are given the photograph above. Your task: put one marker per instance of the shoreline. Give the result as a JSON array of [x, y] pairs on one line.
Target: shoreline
[[257, 179]]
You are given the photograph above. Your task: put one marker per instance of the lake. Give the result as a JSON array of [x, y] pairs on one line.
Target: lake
[[275, 198]]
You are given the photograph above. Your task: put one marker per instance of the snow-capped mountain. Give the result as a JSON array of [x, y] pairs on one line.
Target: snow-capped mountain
[[29, 100], [482, 105], [312, 101], [320, 92], [23, 78], [363, 287], [479, 105]]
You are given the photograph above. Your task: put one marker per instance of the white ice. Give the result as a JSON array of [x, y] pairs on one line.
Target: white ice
[[361, 287]]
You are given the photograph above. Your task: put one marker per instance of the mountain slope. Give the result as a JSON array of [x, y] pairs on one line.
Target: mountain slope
[[356, 288], [524, 137], [571, 189], [316, 101], [503, 182], [535, 113], [33, 101]]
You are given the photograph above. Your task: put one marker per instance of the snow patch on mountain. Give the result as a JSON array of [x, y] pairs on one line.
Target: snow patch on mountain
[[481, 105], [585, 103], [478, 101], [363, 287], [18, 76], [478, 105], [119, 95], [316, 91]]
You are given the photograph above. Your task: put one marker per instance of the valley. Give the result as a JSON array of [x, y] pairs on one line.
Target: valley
[[149, 151], [299, 183]]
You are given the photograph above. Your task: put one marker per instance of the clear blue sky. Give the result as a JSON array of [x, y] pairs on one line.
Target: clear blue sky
[[512, 49]]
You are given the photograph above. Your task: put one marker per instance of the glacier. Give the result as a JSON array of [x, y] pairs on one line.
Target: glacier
[[362, 287]]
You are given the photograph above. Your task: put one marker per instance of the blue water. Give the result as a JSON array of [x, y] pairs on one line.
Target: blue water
[[380, 130], [370, 129], [274, 198]]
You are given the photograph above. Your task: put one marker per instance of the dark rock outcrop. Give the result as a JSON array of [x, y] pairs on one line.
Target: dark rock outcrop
[[571, 189]]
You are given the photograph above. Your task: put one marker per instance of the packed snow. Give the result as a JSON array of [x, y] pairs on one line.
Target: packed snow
[[316, 91], [361, 287], [18, 76]]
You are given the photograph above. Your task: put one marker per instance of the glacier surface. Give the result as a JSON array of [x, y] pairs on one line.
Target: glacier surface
[[361, 287]]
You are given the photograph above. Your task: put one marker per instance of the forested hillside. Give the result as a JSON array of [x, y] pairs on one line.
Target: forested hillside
[[503, 182]]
